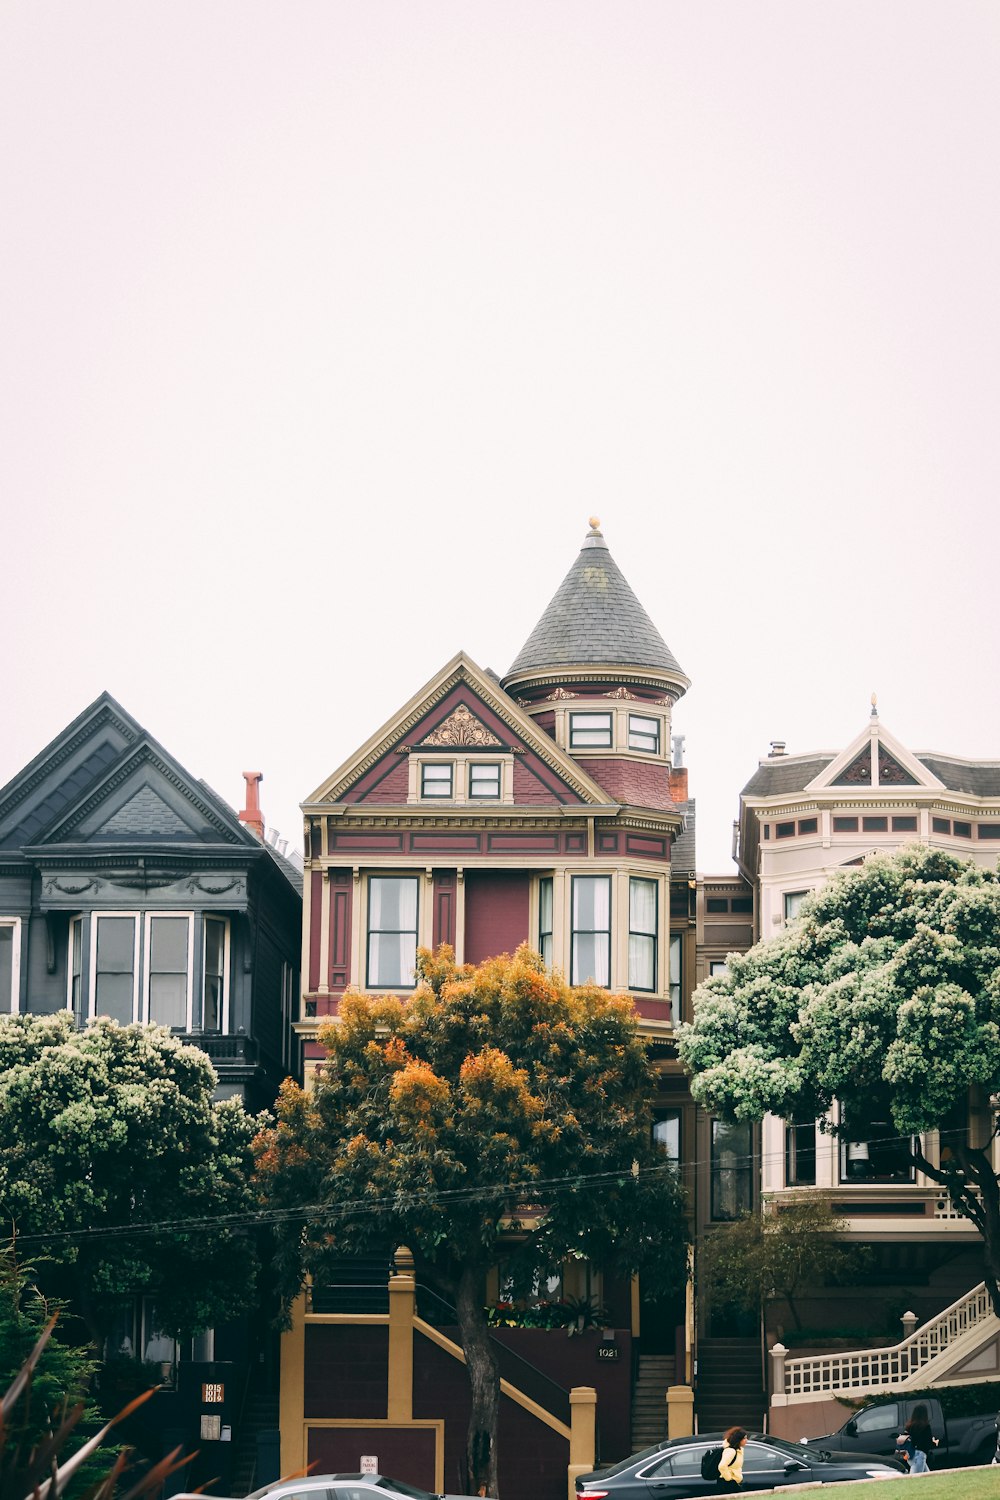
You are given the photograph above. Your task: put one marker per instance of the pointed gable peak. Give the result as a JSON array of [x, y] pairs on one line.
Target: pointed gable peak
[[595, 620]]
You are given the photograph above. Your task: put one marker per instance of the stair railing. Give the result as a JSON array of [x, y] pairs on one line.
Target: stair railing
[[864, 1370]]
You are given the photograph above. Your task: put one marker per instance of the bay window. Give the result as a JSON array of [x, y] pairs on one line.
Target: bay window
[[675, 975], [392, 931], [214, 965], [800, 1153], [644, 734], [642, 932], [10, 964], [590, 731], [150, 966], [114, 967], [168, 970], [590, 958], [731, 1169]]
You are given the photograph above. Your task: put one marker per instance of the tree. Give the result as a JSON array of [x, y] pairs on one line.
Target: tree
[[110, 1136], [768, 1254], [436, 1119], [885, 996]]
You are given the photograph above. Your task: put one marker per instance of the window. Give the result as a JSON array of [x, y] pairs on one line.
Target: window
[[742, 904], [644, 734], [800, 1153], [666, 1132], [717, 966], [484, 779], [875, 825], [761, 1460], [158, 1348], [168, 984], [941, 825], [392, 931], [214, 1017], [545, 919], [10, 964], [590, 731], [784, 830], [808, 825], [683, 1463], [907, 824], [878, 1418], [962, 830], [878, 1154], [716, 904], [289, 1015], [793, 904], [642, 931], [989, 830], [731, 1147], [115, 965], [74, 997], [436, 780], [845, 825], [591, 954], [675, 975]]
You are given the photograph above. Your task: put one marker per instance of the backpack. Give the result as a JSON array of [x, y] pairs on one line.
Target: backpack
[[710, 1461]]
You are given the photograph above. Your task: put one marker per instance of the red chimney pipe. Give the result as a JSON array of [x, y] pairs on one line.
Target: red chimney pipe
[[251, 814]]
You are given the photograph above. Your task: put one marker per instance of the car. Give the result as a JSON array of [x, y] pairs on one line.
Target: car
[[339, 1487], [672, 1470]]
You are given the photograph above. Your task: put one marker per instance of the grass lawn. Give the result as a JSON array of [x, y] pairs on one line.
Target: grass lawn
[[965, 1484]]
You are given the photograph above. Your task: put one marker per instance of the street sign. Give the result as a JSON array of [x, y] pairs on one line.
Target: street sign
[[369, 1463]]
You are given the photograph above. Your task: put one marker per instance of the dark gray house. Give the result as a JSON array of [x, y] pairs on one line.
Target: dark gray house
[[128, 888]]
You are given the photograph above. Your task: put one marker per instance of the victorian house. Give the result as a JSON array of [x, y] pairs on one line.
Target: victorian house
[[548, 806], [804, 818], [130, 889]]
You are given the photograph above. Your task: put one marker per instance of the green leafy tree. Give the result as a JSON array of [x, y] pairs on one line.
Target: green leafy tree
[[439, 1118], [767, 1255], [885, 996], [110, 1135]]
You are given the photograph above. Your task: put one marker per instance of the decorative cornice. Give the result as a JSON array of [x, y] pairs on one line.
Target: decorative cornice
[[651, 677], [556, 695], [622, 692]]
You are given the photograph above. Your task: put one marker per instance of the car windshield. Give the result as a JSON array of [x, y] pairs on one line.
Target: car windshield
[[401, 1488]]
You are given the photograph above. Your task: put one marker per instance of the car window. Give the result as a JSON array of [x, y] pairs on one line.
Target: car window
[[661, 1470], [344, 1491], [878, 1418], [684, 1460], [756, 1457]]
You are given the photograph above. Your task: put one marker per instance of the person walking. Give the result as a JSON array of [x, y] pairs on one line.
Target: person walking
[[731, 1462], [917, 1441]]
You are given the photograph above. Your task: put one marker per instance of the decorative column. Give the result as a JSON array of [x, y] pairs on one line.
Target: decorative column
[[583, 1430], [909, 1321], [402, 1303], [778, 1355], [291, 1409], [323, 988], [680, 1411]]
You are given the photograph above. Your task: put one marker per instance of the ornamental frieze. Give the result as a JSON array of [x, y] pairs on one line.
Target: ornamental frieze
[[460, 728]]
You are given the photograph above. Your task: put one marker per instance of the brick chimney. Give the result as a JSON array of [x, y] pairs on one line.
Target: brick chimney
[[679, 783], [251, 814]]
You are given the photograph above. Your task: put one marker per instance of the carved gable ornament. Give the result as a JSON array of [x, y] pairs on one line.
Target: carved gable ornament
[[461, 727]]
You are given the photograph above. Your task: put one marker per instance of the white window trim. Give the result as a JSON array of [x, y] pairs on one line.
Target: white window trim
[[425, 917], [15, 963], [620, 712], [147, 976], [92, 990], [73, 922], [207, 917], [460, 794]]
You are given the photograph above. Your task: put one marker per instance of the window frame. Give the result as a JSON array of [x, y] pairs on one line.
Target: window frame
[[653, 937], [546, 882], [211, 916], [590, 931], [672, 1115], [742, 1176], [675, 987], [369, 933], [656, 735], [790, 914], [95, 919], [484, 765], [793, 1150], [14, 923], [75, 929], [584, 744], [437, 765], [149, 918]]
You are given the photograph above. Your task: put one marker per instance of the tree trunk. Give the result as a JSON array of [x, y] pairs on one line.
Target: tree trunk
[[972, 1186], [484, 1381]]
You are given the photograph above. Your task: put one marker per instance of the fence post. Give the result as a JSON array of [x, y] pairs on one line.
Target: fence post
[[680, 1411], [402, 1304], [583, 1429], [909, 1322], [778, 1396]]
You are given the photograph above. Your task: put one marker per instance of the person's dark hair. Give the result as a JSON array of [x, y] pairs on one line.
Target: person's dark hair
[[733, 1437], [918, 1418]]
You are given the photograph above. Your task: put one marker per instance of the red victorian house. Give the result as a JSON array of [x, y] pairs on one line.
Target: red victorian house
[[486, 812]]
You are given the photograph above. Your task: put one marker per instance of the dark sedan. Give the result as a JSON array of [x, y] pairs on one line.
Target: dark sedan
[[672, 1470]]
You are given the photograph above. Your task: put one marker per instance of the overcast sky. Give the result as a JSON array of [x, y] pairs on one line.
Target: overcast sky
[[325, 326]]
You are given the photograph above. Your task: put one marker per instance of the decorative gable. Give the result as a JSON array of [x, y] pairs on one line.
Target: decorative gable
[[859, 772], [461, 727], [142, 815], [875, 759]]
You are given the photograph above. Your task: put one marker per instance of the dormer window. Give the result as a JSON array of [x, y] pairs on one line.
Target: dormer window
[[644, 734], [484, 780], [437, 779], [590, 731]]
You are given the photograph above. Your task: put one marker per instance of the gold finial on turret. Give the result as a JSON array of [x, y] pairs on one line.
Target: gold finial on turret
[[595, 523], [874, 705]]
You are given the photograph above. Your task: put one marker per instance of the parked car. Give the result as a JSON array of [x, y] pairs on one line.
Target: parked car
[[339, 1487], [961, 1440], [672, 1470]]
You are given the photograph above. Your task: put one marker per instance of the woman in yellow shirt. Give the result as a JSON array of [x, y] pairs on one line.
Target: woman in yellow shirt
[[731, 1462]]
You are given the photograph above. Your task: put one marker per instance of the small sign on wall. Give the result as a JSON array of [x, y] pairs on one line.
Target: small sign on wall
[[211, 1429], [369, 1463], [213, 1393], [607, 1352]]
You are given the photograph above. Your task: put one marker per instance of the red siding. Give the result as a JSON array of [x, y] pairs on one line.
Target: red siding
[[444, 908], [529, 789], [314, 895], [388, 782], [496, 914], [637, 783], [341, 885]]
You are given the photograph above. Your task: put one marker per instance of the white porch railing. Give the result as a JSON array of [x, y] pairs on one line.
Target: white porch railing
[[861, 1371]]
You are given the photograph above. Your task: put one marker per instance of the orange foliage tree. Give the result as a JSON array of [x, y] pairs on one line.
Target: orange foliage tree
[[437, 1117]]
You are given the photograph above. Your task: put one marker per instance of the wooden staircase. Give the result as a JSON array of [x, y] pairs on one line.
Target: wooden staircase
[[649, 1400], [729, 1390], [260, 1415]]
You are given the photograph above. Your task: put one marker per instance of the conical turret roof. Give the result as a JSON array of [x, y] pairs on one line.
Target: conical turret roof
[[594, 619]]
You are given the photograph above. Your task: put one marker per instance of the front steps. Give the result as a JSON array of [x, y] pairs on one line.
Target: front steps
[[649, 1399], [729, 1391]]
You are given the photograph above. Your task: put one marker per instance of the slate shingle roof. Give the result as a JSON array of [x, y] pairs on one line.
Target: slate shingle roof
[[784, 775], [982, 780], [595, 619]]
